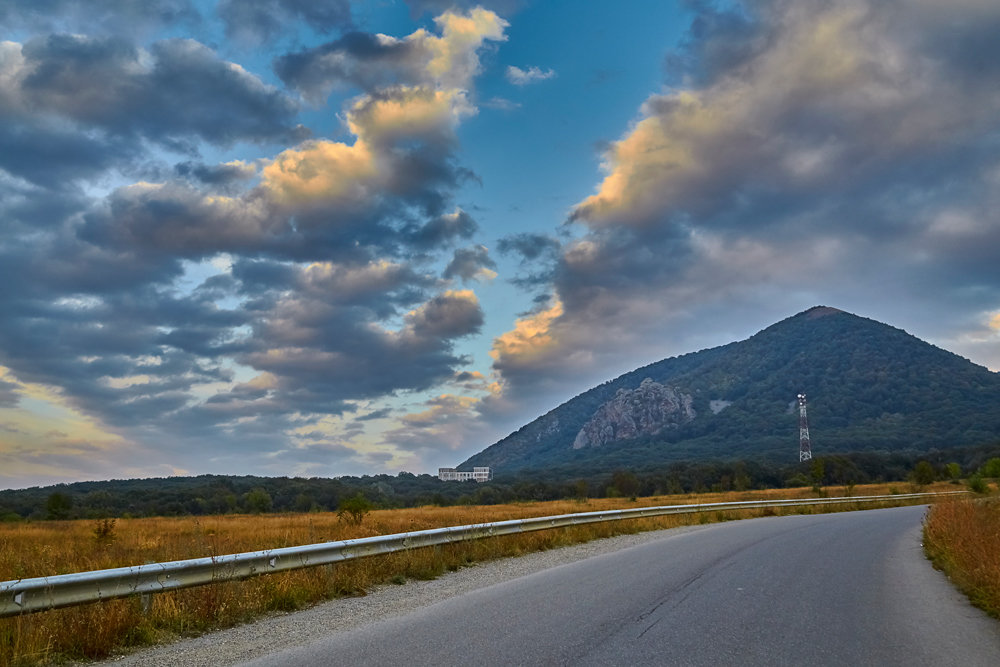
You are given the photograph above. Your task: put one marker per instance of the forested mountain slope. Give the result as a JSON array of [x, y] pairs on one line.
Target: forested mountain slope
[[870, 387]]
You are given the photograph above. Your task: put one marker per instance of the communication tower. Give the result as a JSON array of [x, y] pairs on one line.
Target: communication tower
[[805, 448]]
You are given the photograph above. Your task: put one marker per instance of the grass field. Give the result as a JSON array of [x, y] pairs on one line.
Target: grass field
[[962, 538], [35, 549]]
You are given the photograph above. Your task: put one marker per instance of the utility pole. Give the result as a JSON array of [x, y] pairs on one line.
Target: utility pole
[[805, 448]]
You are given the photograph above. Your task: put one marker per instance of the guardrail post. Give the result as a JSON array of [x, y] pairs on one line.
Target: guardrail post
[[146, 598]]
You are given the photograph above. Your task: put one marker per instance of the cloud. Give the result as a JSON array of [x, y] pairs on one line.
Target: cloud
[[531, 339], [9, 396], [522, 77], [321, 172], [800, 151], [220, 175], [538, 254], [471, 264], [265, 20], [822, 99], [452, 314], [356, 201], [500, 104], [443, 230], [447, 422], [529, 246], [225, 306], [76, 105], [374, 62], [366, 61], [318, 198]]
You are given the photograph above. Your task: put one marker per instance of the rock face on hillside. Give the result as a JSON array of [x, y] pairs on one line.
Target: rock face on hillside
[[646, 410]]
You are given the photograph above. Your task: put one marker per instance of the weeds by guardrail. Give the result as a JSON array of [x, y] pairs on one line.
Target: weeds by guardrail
[[963, 540], [42, 593]]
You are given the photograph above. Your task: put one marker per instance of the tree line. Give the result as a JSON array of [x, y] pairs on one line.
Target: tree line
[[220, 494]]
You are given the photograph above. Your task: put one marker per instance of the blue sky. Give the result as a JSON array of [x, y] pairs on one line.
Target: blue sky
[[287, 237]]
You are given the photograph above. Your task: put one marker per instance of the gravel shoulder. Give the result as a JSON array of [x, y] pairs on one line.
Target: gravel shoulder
[[284, 630]]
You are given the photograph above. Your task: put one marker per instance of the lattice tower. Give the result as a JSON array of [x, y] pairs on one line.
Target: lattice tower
[[805, 447]]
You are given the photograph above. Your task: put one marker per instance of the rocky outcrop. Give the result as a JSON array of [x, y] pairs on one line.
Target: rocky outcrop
[[646, 410]]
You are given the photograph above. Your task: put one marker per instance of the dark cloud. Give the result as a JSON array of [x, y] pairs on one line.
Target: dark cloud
[[177, 219], [181, 92], [309, 370], [720, 39], [9, 397], [360, 59], [265, 20], [449, 315], [26, 206], [375, 414], [442, 230], [469, 264], [51, 156], [529, 246], [216, 175]]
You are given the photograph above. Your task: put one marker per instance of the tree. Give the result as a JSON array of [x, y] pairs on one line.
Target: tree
[[354, 509], [992, 468], [625, 482], [923, 473], [58, 505], [305, 503], [257, 501], [818, 473]]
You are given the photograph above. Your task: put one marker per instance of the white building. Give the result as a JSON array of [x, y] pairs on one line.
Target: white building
[[479, 474]]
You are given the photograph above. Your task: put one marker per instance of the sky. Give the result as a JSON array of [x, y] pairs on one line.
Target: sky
[[306, 238]]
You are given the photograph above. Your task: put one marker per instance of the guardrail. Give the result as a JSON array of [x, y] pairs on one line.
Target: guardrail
[[23, 596]]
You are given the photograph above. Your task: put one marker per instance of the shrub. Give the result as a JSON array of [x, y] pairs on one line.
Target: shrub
[[992, 468], [104, 531], [977, 484], [354, 509]]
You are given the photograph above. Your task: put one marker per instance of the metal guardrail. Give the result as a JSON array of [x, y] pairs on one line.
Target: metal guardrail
[[23, 596]]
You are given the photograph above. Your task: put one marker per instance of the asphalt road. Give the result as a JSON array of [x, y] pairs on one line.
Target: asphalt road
[[836, 589]]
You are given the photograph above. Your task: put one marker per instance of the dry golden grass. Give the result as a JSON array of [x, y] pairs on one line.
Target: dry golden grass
[[37, 549], [962, 538]]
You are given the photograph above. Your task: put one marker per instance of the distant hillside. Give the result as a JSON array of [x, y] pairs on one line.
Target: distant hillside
[[870, 387]]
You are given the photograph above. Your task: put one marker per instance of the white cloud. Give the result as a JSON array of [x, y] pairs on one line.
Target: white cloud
[[523, 77]]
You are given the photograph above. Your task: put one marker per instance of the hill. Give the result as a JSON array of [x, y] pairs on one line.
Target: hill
[[871, 387]]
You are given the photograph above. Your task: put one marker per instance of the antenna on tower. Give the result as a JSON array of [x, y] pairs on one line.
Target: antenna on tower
[[805, 448]]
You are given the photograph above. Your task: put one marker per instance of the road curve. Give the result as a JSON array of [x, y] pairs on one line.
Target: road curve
[[851, 588]]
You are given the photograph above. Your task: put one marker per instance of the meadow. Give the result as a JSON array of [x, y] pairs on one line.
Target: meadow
[[962, 539], [42, 548]]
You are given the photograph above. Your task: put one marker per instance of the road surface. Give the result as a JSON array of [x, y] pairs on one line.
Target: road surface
[[851, 588]]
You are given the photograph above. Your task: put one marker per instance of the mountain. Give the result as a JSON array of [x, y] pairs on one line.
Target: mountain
[[869, 386]]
